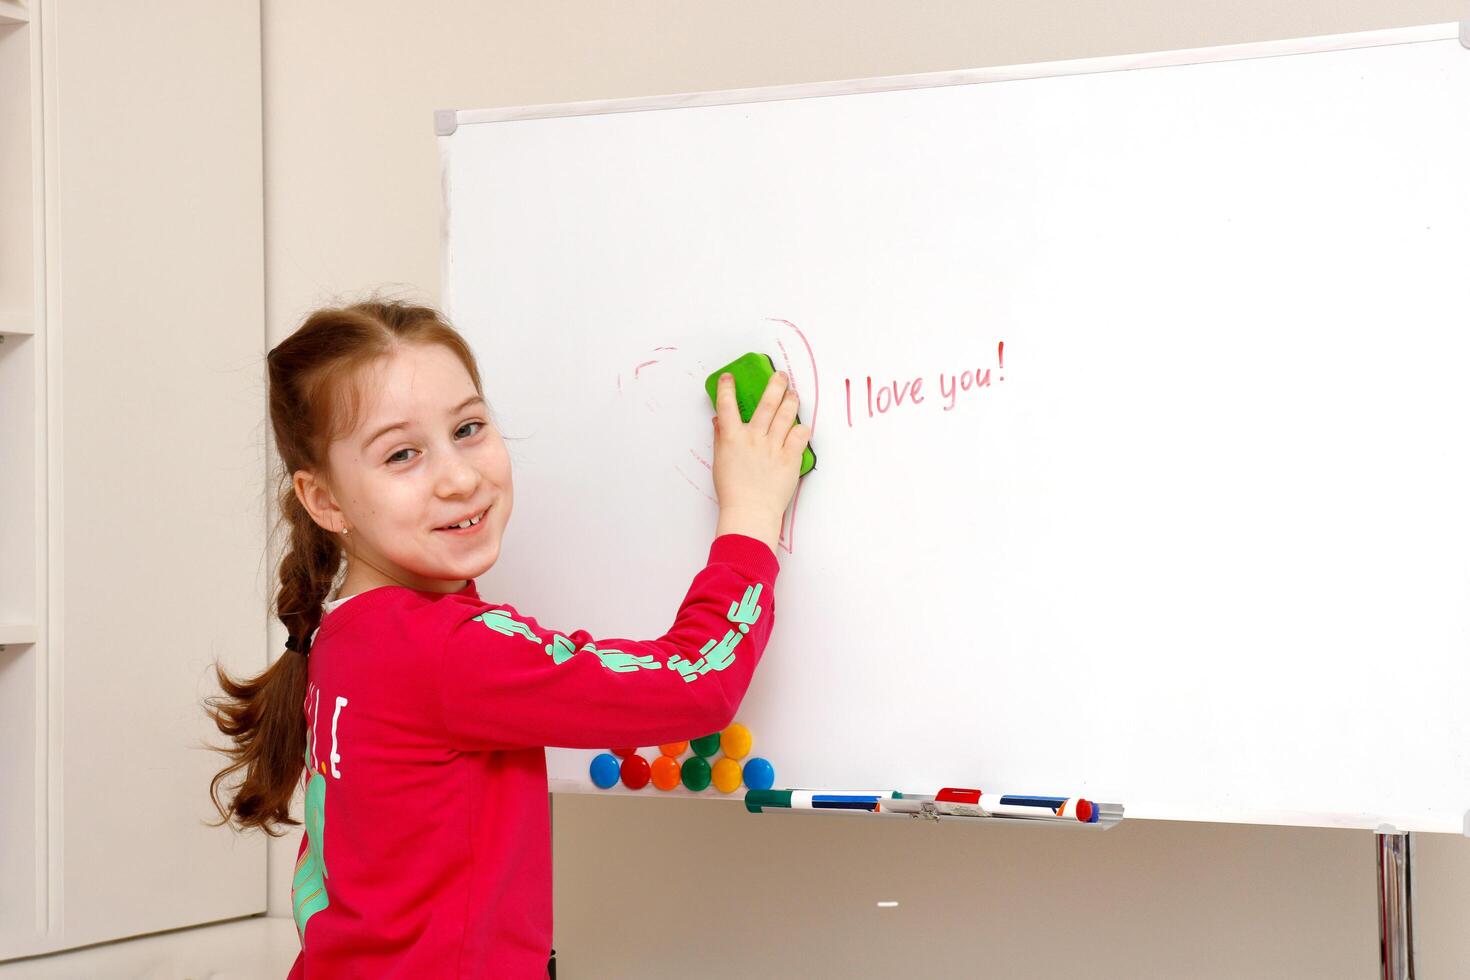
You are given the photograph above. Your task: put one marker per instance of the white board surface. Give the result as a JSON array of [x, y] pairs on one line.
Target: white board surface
[[1201, 546]]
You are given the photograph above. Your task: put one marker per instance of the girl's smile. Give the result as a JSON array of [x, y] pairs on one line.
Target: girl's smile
[[477, 521]]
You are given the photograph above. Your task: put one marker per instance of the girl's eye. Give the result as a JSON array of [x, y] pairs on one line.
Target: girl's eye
[[394, 458]]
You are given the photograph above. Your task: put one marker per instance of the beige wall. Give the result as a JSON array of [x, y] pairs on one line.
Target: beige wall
[[693, 888]]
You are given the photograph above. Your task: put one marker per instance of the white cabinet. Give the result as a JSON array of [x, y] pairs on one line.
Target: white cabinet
[[132, 460]]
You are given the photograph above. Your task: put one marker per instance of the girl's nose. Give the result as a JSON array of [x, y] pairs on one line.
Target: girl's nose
[[459, 475]]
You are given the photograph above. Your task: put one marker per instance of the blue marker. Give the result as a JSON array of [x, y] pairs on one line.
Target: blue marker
[[758, 801]]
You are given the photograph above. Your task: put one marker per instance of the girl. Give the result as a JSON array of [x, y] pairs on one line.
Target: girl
[[427, 849]]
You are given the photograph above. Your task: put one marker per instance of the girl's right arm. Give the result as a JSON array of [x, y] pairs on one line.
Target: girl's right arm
[[508, 682]]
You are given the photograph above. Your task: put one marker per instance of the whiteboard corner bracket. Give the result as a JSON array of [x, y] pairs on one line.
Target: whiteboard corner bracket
[[446, 121], [1465, 31]]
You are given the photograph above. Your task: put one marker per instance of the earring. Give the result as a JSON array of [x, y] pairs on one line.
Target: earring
[[344, 530]]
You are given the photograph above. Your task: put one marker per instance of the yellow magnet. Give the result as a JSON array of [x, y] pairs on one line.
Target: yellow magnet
[[735, 741], [727, 775]]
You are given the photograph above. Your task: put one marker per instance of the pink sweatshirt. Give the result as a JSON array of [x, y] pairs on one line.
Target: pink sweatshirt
[[427, 846]]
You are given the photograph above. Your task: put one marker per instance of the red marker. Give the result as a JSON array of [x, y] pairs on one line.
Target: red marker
[[955, 801]]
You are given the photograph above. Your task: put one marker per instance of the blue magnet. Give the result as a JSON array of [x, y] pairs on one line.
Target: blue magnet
[[759, 774], [605, 770]]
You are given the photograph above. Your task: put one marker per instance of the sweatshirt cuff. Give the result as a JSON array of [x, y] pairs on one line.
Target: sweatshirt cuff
[[748, 556]]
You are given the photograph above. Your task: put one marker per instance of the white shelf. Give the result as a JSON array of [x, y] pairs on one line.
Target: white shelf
[[17, 633], [16, 322], [13, 13]]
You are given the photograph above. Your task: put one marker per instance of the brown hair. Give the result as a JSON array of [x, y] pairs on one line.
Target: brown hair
[[314, 398]]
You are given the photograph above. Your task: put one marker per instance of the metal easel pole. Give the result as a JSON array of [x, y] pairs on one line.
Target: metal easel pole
[[1395, 905]]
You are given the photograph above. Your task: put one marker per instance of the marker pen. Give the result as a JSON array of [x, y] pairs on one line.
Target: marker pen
[[957, 801], [759, 800]]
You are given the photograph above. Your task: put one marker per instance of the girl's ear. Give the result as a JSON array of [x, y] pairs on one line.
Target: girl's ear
[[318, 501]]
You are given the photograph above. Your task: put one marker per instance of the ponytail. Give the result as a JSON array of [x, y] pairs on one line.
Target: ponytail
[[264, 715]]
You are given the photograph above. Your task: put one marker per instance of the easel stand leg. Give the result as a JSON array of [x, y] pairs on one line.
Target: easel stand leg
[[1395, 905]]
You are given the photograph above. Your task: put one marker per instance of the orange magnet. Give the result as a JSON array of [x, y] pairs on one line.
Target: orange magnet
[[666, 772], [674, 749]]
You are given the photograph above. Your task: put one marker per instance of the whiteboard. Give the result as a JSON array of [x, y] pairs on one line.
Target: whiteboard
[[1162, 496]]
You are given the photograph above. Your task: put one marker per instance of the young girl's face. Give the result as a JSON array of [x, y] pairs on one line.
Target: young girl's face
[[397, 489]]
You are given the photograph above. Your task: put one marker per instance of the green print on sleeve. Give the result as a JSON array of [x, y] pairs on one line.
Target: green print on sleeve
[[560, 649], [746, 611], [502, 623], [622, 662], [309, 886], [688, 671], [717, 654]]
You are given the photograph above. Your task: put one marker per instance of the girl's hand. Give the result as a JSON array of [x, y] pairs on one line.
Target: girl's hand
[[757, 462]]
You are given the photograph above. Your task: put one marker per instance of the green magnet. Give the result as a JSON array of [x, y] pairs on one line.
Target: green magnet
[[706, 746], [695, 773]]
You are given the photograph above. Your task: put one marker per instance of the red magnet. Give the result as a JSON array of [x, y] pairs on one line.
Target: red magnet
[[634, 771]]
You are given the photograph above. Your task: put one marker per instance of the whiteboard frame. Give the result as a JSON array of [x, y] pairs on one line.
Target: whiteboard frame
[[446, 121]]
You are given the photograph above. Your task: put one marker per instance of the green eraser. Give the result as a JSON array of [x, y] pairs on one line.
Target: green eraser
[[751, 372]]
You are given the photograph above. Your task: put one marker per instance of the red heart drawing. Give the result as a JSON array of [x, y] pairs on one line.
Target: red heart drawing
[[702, 482]]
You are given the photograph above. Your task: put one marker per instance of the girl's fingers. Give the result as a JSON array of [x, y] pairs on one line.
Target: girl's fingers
[[798, 439], [760, 419], [725, 405], [786, 414]]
